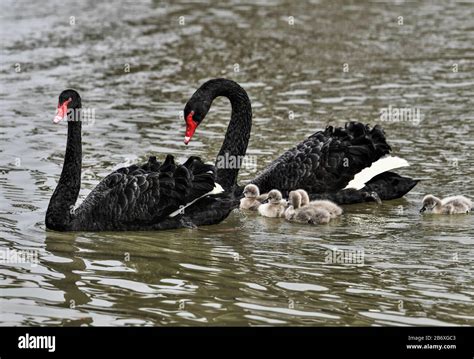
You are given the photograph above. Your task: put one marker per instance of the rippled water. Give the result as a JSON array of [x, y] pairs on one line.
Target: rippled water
[[247, 270]]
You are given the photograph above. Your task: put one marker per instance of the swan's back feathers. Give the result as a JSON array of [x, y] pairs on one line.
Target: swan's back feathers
[[146, 194], [326, 161], [457, 200]]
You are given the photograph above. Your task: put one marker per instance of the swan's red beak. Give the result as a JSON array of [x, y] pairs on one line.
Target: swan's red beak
[[62, 111], [191, 126]]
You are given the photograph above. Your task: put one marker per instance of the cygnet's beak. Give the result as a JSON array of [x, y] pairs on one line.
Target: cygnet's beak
[[422, 209]]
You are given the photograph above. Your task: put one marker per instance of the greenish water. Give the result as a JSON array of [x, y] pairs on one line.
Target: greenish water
[[248, 270]]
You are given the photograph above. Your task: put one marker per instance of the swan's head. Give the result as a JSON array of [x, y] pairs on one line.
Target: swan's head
[[274, 196], [429, 202], [295, 199], [200, 102], [69, 100], [251, 191], [194, 112]]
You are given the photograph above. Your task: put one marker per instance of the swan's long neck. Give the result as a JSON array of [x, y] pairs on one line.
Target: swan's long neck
[[61, 204], [296, 201], [231, 155]]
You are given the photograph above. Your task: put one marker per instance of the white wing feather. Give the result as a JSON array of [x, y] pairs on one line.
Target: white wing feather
[[384, 164], [217, 189]]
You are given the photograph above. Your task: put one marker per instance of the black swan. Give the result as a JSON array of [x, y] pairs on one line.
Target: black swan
[[153, 195], [344, 165]]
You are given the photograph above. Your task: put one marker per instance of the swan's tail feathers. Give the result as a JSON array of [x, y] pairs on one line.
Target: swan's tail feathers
[[382, 165]]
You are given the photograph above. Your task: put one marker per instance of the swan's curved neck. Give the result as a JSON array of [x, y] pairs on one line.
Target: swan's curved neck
[[231, 155], [60, 210]]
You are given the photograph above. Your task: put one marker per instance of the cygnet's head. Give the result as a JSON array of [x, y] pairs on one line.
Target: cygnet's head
[[429, 202], [304, 197], [274, 196], [251, 191], [295, 199]]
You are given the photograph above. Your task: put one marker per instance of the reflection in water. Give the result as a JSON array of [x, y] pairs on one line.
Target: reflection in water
[[62, 259], [333, 64]]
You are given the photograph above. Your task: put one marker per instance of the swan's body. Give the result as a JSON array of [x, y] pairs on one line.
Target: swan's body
[[333, 209], [251, 199], [275, 206], [313, 215], [448, 205], [152, 195], [327, 165], [305, 214]]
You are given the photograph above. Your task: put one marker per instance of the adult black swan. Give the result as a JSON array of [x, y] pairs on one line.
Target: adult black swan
[[346, 165], [153, 195]]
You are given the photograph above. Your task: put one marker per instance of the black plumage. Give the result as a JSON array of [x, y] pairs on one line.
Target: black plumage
[[143, 197], [327, 161], [152, 195]]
